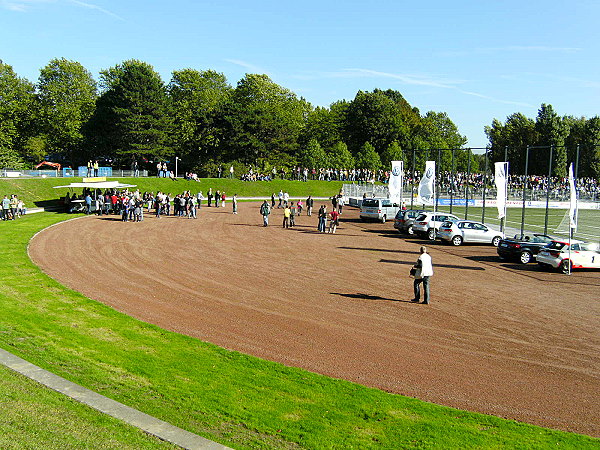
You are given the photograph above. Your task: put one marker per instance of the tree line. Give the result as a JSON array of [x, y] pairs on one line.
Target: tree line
[[553, 143], [131, 114]]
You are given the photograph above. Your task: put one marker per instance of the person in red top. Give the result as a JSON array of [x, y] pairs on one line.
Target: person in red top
[[333, 223], [113, 201]]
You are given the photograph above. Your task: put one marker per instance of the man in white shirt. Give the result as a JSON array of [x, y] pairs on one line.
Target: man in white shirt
[[424, 272]]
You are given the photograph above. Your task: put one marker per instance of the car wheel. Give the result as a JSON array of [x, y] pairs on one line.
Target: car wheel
[[565, 266], [383, 219], [525, 257], [457, 240], [410, 231], [431, 234], [496, 241]]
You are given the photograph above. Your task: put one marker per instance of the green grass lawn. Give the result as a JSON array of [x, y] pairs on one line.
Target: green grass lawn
[[37, 190], [32, 416], [235, 399], [588, 229]]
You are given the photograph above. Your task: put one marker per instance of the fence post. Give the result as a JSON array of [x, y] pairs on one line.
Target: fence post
[[452, 183], [467, 184], [524, 192], [484, 186], [412, 180], [437, 182], [548, 184]]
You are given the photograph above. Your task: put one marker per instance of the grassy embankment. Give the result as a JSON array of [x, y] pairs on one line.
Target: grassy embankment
[[226, 396], [41, 190]]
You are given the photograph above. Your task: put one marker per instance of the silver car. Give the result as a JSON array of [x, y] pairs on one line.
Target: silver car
[[469, 231], [428, 223], [378, 209]]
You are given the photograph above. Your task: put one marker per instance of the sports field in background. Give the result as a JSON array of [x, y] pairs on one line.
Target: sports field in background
[[588, 228]]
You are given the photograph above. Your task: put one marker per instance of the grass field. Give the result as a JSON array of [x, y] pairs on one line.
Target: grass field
[[33, 416], [241, 401], [38, 190], [558, 225]]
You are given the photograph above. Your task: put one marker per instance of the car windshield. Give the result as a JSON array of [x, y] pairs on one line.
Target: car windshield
[[446, 224], [539, 239], [370, 202], [555, 245], [421, 217]]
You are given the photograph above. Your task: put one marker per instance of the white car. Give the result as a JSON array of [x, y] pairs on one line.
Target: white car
[[428, 223], [583, 256], [469, 231], [378, 209]]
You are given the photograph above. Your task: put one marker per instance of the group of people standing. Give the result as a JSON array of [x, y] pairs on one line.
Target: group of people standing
[[11, 208], [291, 211]]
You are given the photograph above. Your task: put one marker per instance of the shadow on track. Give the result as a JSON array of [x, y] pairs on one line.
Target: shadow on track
[[371, 297]]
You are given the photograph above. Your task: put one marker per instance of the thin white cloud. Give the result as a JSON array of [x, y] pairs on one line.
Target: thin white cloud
[[496, 100], [411, 79], [21, 5], [26, 5], [251, 67], [96, 7]]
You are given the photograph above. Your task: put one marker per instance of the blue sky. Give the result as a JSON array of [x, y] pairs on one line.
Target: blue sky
[[474, 60]]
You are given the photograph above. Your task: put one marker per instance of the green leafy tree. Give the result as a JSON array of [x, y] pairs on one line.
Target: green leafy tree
[[132, 119], [67, 95], [312, 155], [393, 152], [17, 109], [586, 135], [552, 131], [372, 117], [340, 157], [198, 99], [324, 125], [512, 138], [264, 121], [368, 158]]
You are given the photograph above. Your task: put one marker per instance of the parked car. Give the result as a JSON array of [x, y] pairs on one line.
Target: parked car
[[378, 209], [467, 231], [403, 222], [583, 256], [428, 223], [523, 248]]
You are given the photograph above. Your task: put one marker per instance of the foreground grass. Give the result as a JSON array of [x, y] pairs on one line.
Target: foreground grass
[[32, 416], [226, 396]]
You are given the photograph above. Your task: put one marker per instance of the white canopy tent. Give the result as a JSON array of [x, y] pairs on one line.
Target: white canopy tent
[[98, 185]]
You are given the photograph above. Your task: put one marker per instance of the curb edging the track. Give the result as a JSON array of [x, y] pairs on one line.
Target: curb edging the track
[[138, 419]]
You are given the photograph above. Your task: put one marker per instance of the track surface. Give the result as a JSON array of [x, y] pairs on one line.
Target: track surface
[[498, 338]]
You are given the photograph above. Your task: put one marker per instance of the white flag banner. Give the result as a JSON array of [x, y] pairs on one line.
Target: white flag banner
[[395, 184], [500, 179], [426, 191], [573, 200]]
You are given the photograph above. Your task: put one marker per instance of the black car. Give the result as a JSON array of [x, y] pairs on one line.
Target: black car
[[404, 220], [523, 247]]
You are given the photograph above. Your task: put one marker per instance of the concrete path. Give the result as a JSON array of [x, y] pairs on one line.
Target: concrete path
[[149, 424]]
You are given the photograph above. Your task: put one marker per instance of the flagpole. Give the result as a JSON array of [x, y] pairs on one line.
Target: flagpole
[[505, 192]]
